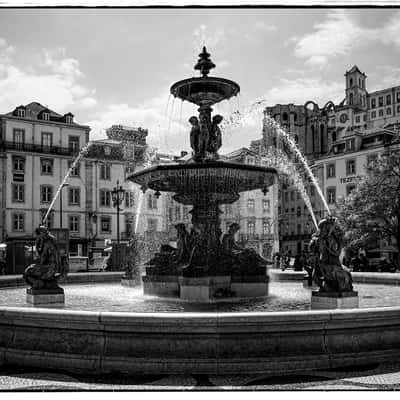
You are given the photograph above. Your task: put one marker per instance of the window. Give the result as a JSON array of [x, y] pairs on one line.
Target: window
[[21, 113], [388, 100], [129, 199], [75, 172], [298, 196], [388, 111], [351, 99], [171, 214], [330, 172], [351, 82], [251, 228], [398, 109], [129, 224], [74, 196], [18, 164], [350, 167], [73, 144], [46, 193], [73, 223], [286, 197], [69, 119], [19, 138], [46, 116], [18, 192], [105, 224], [380, 101], [151, 201], [331, 195], [373, 114], [398, 97], [350, 144], [380, 113], [266, 227], [47, 139], [105, 172], [266, 205], [177, 213], [299, 229], [284, 116], [46, 166], [291, 196], [358, 119], [105, 198], [251, 204], [228, 209], [333, 136], [373, 103], [298, 213], [18, 222], [349, 189], [50, 218], [151, 224]]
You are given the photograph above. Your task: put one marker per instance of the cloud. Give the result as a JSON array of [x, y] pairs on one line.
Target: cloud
[[264, 27], [212, 38], [54, 81], [300, 90], [337, 35], [391, 31]]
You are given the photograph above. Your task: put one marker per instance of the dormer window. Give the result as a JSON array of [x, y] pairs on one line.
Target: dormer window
[[69, 118], [21, 112], [46, 116], [107, 150]]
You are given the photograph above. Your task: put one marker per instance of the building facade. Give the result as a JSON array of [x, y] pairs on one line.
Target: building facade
[[338, 140], [37, 147]]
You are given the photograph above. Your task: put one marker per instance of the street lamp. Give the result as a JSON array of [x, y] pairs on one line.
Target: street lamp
[[63, 186], [117, 195]]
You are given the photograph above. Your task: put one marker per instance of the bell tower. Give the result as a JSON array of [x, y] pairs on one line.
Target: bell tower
[[356, 92]]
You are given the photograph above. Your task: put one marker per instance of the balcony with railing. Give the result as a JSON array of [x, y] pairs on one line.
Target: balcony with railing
[[38, 148]]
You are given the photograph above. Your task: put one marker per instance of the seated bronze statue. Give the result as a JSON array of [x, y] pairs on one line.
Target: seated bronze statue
[[327, 243], [46, 272]]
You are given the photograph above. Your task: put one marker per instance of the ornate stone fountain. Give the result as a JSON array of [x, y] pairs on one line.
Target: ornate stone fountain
[[205, 266]]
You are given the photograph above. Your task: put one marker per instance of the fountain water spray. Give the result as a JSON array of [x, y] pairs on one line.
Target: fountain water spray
[[81, 154], [279, 160], [268, 120]]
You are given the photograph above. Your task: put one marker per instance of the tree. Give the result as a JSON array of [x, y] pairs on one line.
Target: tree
[[372, 211]]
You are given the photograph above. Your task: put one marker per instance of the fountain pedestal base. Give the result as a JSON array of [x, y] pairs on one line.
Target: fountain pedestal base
[[205, 288], [161, 285], [47, 296], [331, 301]]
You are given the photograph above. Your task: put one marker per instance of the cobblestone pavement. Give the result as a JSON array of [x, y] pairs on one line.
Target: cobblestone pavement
[[372, 377]]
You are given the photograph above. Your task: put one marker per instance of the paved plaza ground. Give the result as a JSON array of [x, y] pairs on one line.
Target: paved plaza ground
[[372, 377]]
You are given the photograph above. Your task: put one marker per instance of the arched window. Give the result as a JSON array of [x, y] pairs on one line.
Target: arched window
[[295, 117], [296, 139], [285, 116], [351, 82], [312, 138], [321, 130], [359, 82], [351, 99], [333, 136]]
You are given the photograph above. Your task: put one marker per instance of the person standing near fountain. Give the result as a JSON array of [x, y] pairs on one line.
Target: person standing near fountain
[[43, 276]]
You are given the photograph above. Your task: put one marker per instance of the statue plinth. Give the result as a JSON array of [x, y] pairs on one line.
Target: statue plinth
[[45, 296], [334, 300], [205, 288]]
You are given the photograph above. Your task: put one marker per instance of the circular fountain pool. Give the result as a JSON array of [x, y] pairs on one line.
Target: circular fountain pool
[[284, 296]]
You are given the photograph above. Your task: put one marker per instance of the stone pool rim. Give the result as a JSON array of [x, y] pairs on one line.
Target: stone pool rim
[[279, 342]]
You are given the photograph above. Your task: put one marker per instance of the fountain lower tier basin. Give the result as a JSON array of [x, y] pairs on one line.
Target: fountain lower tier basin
[[204, 338], [208, 181]]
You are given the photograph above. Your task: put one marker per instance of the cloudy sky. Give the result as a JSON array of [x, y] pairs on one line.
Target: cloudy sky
[[116, 66]]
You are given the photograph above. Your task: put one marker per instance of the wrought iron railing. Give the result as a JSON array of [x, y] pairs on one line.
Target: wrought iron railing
[[38, 148]]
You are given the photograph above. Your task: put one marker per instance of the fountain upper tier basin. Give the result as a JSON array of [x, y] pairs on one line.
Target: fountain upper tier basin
[[205, 91], [218, 180]]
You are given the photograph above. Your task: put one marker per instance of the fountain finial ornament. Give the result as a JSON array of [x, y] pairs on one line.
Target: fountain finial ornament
[[204, 64]]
